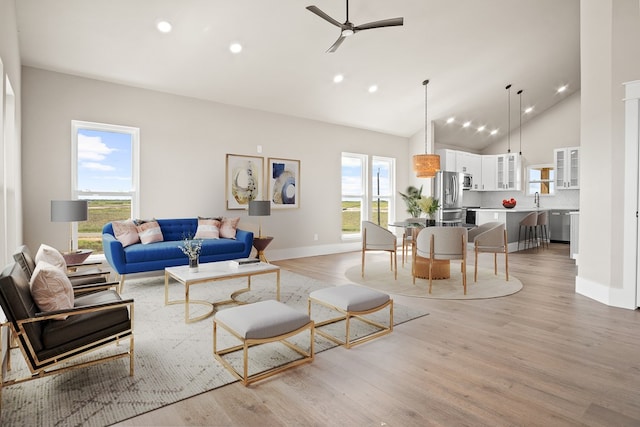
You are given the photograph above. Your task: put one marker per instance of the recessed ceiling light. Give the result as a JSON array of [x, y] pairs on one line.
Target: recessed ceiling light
[[528, 110], [481, 128], [373, 88], [495, 131], [164, 26], [466, 124], [235, 47], [338, 78], [562, 88], [450, 119]]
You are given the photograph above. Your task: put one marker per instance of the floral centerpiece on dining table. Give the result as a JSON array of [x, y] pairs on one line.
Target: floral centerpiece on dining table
[[429, 205]]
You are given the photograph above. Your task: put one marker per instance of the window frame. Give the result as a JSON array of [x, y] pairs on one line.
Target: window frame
[[550, 181], [133, 193], [363, 198], [391, 197]]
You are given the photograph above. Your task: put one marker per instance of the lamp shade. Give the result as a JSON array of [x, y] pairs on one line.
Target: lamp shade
[[426, 165], [259, 208], [69, 210]]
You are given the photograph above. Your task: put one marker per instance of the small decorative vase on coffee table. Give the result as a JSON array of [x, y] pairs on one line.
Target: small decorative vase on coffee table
[[193, 264]]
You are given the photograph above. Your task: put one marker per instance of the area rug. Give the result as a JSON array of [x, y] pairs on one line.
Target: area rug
[[173, 360], [378, 275]]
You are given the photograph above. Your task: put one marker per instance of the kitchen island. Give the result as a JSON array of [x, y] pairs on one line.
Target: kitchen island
[[510, 217]]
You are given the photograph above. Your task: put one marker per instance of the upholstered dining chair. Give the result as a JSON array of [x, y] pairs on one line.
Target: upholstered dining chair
[[543, 227], [490, 237], [376, 238], [409, 237], [442, 243]]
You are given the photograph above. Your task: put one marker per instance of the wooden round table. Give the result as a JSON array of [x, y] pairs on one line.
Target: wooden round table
[[441, 268]]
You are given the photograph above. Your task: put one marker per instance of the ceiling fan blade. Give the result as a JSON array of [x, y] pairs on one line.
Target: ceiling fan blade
[[324, 16], [336, 45], [393, 22]]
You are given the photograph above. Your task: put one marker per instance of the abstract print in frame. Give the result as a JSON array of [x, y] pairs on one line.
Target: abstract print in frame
[[284, 183], [244, 180]]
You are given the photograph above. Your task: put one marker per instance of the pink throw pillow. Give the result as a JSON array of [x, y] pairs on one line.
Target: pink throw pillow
[[50, 288], [208, 228], [126, 232], [150, 232], [228, 227]]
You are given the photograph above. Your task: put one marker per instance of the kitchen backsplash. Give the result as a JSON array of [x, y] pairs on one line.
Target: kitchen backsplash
[[563, 199]]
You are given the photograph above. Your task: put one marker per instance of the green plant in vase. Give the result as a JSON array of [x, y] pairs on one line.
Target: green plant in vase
[[429, 205], [411, 197]]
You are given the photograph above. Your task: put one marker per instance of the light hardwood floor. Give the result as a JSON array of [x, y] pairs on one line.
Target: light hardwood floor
[[545, 356]]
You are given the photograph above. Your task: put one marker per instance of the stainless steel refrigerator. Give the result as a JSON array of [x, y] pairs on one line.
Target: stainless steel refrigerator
[[447, 188]]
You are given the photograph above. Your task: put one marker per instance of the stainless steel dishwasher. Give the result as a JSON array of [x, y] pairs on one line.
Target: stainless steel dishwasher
[[559, 225]]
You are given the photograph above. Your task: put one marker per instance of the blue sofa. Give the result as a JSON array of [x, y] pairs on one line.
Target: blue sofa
[[139, 258]]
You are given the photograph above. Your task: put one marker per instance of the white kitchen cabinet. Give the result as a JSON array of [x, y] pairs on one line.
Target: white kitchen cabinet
[[447, 160], [488, 176], [567, 161], [469, 163], [508, 171]]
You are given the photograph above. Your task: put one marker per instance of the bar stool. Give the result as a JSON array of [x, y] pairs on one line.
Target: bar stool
[[530, 224], [543, 225]]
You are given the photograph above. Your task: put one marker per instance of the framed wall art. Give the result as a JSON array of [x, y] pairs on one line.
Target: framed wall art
[[243, 180], [284, 183]]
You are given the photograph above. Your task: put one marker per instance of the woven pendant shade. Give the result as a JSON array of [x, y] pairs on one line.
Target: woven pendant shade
[[426, 165]]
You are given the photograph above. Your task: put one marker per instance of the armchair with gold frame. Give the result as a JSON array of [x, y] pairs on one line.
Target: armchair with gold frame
[[52, 342]]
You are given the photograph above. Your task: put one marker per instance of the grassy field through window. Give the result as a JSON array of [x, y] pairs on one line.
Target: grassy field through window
[[100, 213], [351, 216]]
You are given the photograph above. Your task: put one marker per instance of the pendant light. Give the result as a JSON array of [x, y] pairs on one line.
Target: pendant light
[[520, 94], [426, 165], [508, 88]]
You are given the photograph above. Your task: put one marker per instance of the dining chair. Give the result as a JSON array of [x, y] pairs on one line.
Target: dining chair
[[442, 243], [376, 238], [543, 227], [490, 237]]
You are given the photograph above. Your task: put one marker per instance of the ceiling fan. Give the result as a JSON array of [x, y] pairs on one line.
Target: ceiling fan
[[348, 29]]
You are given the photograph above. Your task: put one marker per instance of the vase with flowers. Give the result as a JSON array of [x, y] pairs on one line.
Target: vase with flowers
[[429, 205], [191, 248]]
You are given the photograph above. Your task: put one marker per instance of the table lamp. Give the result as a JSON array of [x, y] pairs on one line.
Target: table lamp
[[69, 211], [259, 208]]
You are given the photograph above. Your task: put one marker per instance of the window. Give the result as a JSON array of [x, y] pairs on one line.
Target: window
[[354, 173], [541, 180], [367, 191], [383, 190], [106, 173]]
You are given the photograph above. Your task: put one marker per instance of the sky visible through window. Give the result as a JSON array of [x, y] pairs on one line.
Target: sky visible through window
[[104, 161], [352, 177]]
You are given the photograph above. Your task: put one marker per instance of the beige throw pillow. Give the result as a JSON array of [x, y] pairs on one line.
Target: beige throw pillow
[[150, 232], [208, 228], [126, 232], [51, 255], [50, 288], [228, 227]]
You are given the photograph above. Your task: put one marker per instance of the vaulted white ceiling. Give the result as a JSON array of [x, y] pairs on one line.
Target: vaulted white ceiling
[[469, 49]]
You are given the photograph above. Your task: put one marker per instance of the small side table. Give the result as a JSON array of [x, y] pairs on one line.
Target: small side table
[[261, 243]]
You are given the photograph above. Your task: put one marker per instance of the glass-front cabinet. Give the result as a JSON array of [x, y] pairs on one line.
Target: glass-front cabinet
[[567, 162], [508, 171]]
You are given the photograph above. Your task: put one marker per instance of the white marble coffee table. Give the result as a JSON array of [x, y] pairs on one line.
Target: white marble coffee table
[[213, 272]]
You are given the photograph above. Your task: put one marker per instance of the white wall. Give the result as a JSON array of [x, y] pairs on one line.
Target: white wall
[[610, 56], [184, 142]]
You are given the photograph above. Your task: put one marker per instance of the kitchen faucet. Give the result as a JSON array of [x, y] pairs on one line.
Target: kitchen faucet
[[536, 199]]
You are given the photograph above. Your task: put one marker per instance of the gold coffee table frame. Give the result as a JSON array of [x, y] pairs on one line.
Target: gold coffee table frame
[[214, 272]]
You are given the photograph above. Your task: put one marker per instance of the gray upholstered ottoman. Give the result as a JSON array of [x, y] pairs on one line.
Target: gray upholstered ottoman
[[352, 301], [260, 323]]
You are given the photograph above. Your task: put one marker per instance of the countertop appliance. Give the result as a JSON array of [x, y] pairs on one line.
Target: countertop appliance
[[447, 188], [467, 181], [560, 225]]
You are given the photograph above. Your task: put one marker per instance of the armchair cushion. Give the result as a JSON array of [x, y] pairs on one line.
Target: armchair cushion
[[51, 288]]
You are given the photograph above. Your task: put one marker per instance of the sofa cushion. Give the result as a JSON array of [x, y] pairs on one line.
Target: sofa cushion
[[228, 227], [208, 228], [51, 288], [126, 232], [52, 256], [149, 232]]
